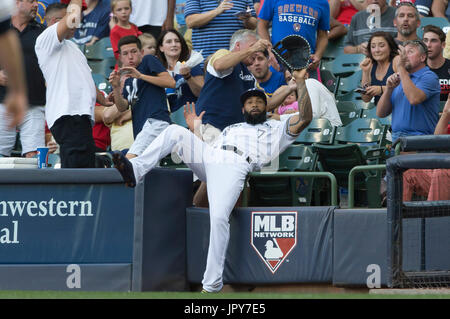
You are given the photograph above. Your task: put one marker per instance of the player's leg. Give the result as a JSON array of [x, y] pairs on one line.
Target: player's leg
[[174, 138], [225, 183], [151, 130]]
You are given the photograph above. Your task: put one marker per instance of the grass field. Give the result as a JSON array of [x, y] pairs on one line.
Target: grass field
[[195, 295]]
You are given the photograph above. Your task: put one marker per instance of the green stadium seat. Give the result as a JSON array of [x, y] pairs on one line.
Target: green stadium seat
[[346, 64], [318, 131], [100, 50], [102, 83], [372, 114], [355, 98], [333, 50], [441, 106], [329, 80], [103, 67], [361, 142], [291, 191], [437, 21], [348, 84], [348, 111], [177, 117]]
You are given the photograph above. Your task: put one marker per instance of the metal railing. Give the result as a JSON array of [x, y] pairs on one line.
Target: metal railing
[[328, 175]]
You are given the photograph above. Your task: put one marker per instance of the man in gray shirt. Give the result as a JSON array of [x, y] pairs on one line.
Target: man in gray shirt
[[377, 17]]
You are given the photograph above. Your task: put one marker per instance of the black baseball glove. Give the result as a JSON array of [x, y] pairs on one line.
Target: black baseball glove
[[293, 52]]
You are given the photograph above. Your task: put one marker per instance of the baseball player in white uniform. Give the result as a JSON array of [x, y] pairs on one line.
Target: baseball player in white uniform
[[241, 148]]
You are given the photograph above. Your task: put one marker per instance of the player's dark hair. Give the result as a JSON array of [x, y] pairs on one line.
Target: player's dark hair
[[129, 39]]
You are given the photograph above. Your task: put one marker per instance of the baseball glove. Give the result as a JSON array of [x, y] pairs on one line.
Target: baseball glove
[[293, 52]]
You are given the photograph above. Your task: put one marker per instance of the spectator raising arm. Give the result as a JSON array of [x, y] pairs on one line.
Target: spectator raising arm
[[68, 25], [200, 19]]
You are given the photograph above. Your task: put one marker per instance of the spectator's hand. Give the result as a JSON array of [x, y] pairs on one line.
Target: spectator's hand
[[401, 62], [261, 45], [185, 70], [373, 90], [3, 78], [366, 65], [315, 61], [102, 100], [393, 81], [132, 72], [110, 97], [16, 103], [192, 120], [52, 146], [114, 79], [92, 42], [362, 48], [224, 6]]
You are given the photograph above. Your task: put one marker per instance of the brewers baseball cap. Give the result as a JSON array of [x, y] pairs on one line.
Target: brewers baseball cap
[[253, 92]]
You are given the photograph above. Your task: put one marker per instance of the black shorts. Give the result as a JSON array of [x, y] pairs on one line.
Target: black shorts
[[73, 133]]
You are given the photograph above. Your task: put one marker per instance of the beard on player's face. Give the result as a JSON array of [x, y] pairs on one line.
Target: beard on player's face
[[255, 118]]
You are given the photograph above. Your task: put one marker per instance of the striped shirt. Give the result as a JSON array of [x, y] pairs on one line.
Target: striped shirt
[[217, 33]]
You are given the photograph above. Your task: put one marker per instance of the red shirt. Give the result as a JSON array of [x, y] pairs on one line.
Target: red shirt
[[448, 129], [346, 13], [101, 134], [118, 32]]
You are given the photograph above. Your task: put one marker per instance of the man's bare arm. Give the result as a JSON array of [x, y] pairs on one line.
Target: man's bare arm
[[11, 58], [300, 121], [70, 20]]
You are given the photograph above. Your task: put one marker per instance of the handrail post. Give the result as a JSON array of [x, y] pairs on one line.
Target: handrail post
[[351, 178]]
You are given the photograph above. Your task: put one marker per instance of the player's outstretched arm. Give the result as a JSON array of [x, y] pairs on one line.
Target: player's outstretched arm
[[298, 122]]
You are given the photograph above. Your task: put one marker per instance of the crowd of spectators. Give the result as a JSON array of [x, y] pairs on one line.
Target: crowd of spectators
[[156, 42]]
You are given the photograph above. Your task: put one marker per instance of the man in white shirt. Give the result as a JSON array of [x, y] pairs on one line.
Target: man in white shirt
[[240, 148], [71, 91], [153, 16]]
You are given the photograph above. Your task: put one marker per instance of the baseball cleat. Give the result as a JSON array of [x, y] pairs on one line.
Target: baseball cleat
[[125, 168]]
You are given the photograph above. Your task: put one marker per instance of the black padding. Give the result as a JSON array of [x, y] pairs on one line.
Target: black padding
[[424, 143], [60, 176]]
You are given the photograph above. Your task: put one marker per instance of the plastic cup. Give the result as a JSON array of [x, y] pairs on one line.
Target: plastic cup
[[42, 157]]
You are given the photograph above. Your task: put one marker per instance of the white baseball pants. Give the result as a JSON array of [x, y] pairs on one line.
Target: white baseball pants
[[225, 173]]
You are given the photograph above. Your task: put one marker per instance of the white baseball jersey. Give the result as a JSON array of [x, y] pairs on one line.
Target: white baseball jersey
[[261, 142]]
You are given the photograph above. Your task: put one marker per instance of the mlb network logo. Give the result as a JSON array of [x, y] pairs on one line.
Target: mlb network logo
[[273, 236]]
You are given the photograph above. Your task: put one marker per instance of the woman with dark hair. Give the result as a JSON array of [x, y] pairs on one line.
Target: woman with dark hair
[[171, 48], [380, 63]]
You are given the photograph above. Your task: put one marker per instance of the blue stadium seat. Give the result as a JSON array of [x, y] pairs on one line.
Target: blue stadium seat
[[437, 21]]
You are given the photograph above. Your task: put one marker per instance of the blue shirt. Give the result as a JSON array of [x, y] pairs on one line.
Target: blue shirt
[[220, 97], [302, 17], [146, 100], [418, 119], [217, 33], [182, 93], [42, 7], [96, 23], [271, 85]]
